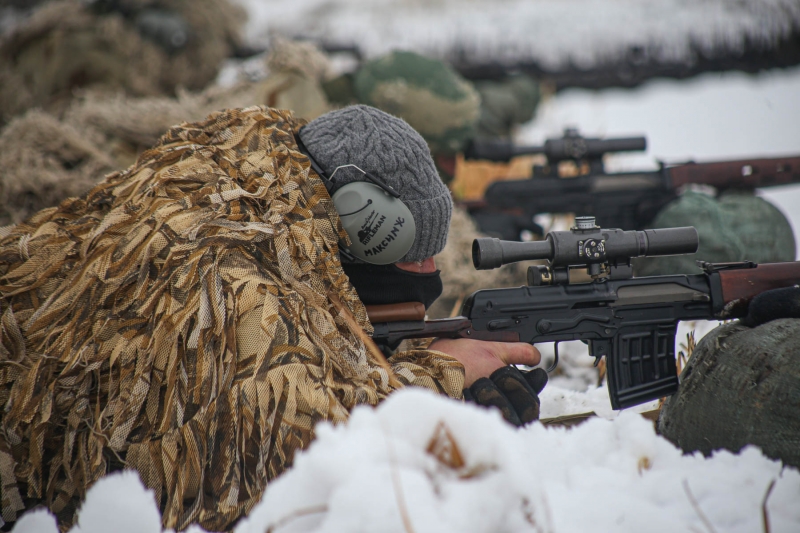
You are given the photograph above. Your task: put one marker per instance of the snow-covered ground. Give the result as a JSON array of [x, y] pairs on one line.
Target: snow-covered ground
[[424, 463]]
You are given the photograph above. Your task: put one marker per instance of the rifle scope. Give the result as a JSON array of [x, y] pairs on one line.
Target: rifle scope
[[572, 146], [586, 244]]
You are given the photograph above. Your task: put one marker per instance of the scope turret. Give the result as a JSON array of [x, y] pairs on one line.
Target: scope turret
[[586, 245]]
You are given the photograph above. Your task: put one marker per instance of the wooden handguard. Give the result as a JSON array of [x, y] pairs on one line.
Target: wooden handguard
[[402, 312], [739, 286]]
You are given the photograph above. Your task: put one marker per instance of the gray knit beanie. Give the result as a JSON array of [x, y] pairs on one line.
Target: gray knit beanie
[[389, 148]]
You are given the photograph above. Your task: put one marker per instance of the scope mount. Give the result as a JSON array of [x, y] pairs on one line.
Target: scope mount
[[597, 264]]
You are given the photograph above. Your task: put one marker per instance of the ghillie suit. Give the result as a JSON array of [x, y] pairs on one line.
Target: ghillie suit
[[47, 159], [68, 44], [44, 161], [188, 318], [127, 125], [297, 72]]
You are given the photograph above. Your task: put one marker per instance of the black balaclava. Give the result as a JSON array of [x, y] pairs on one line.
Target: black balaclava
[[387, 284]]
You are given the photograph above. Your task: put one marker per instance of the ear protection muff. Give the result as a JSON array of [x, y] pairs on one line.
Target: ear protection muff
[[380, 226]]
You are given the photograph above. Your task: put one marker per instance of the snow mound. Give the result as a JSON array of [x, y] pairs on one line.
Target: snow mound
[[424, 463], [118, 502], [36, 521], [421, 463], [553, 33]]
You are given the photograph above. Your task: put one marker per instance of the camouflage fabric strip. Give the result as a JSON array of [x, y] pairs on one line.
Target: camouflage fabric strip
[[177, 319]]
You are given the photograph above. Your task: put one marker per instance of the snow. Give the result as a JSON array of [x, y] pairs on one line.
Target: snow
[[550, 32], [119, 503], [36, 521], [421, 462]]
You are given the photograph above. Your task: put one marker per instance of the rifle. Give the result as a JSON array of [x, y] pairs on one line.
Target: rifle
[[630, 321], [628, 200]]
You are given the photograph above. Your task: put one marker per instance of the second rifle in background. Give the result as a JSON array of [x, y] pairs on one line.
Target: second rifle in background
[[626, 200]]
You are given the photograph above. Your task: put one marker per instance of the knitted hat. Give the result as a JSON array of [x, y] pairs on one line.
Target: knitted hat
[[389, 148]]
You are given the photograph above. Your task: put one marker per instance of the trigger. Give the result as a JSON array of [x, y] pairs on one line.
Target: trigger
[[555, 361]]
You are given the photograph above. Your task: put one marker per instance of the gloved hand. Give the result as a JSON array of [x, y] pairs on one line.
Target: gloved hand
[[515, 393], [773, 304]]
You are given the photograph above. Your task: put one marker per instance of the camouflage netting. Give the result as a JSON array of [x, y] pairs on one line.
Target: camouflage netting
[[433, 98], [109, 131], [187, 318], [297, 73], [506, 104], [128, 125], [459, 276], [741, 386], [44, 161], [736, 226], [64, 45]]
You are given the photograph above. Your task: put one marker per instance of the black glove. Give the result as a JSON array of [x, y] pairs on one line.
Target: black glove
[[772, 304], [515, 393]]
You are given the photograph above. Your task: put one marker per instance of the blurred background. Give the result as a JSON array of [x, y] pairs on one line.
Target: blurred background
[[87, 85], [701, 80]]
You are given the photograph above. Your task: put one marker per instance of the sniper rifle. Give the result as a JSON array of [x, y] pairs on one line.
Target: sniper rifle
[[630, 321], [627, 200]]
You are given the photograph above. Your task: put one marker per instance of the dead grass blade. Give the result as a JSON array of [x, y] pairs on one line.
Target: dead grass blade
[[764, 514], [696, 506], [295, 515], [398, 488]]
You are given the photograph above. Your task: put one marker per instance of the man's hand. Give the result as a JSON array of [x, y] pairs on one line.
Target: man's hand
[[482, 358], [514, 393], [773, 304]]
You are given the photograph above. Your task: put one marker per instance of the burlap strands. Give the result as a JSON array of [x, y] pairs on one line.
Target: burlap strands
[[188, 318]]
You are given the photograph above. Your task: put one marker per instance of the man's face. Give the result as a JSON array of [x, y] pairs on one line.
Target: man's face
[[426, 266]]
